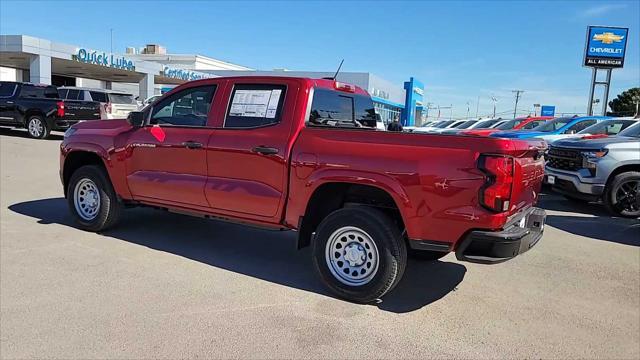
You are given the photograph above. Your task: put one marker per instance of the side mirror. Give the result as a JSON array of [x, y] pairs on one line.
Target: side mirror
[[136, 119]]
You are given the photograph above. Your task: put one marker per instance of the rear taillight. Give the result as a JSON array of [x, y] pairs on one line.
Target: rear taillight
[[107, 108], [495, 194], [60, 108]]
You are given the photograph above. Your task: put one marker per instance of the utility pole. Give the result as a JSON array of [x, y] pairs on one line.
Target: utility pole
[[493, 98], [477, 106], [468, 110], [515, 108]]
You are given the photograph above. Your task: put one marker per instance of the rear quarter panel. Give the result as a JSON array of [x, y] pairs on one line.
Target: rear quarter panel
[[433, 179]]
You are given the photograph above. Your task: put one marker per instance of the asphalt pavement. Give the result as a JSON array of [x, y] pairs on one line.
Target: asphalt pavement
[[163, 285]]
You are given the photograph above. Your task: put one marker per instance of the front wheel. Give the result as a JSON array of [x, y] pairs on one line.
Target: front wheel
[[622, 195], [37, 127], [359, 253], [92, 200]]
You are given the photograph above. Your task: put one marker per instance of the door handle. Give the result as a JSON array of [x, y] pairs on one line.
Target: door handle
[[265, 150], [192, 145]]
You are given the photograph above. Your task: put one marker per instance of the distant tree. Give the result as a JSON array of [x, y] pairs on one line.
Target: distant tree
[[625, 103]]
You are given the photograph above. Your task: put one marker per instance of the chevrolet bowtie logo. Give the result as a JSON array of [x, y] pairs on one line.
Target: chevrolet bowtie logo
[[608, 37]]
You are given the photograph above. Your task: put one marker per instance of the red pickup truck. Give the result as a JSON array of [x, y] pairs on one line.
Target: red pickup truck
[[304, 154]]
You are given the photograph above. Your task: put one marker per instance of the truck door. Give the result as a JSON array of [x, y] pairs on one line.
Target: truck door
[[8, 94], [248, 152], [167, 158]]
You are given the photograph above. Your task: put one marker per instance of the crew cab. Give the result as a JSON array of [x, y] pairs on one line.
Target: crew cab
[[304, 154], [39, 109]]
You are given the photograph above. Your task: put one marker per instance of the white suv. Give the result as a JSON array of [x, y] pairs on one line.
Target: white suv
[[114, 104]]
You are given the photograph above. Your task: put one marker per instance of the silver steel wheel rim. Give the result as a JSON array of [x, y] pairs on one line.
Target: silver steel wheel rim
[[35, 127], [86, 198], [352, 256]]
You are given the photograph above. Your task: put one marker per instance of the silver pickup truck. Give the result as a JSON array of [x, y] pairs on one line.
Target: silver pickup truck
[[596, 168]]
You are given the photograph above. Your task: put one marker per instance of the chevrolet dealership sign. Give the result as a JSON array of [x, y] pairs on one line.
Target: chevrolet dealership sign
[[605, 47]]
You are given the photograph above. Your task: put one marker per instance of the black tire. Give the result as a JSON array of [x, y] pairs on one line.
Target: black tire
[[426, 255], [37, 127], [612, 199], [109, 208], [389, 243]]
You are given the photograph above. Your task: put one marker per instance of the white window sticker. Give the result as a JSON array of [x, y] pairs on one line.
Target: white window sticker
[[255, 103]]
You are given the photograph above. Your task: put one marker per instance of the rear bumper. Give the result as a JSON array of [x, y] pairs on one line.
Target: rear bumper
[[492, 247]]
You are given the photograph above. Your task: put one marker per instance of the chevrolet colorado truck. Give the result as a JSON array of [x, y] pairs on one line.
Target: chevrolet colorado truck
[[39, 109], [304, 154]]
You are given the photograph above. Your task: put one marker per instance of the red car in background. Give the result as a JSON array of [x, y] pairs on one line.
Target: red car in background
[[524, 123]]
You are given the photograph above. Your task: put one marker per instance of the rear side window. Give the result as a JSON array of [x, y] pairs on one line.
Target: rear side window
[[255, 105], [122, 99], [73, 94], [7, 89], [579, 126], [98, 96], [336, 109], [31, 91]]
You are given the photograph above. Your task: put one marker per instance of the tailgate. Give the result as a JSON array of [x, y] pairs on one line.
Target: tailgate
[[81, 110], [528, 173]]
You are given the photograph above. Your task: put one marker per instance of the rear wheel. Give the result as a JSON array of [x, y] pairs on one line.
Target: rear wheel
[[622, 195], [37, 127], [92, 200], [359, 253]]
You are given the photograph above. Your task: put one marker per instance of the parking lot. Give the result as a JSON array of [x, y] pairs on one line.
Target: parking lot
[[162, 285]]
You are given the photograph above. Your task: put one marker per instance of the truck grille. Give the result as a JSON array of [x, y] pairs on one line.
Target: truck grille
[[564, 159]]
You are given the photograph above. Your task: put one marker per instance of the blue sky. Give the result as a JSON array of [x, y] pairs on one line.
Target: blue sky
[[459, 50]]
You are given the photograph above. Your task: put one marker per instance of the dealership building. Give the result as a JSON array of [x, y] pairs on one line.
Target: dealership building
[[151, 70]]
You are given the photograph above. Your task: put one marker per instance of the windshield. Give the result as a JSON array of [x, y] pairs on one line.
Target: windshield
[[466, 124], [633, 131], [122, 99], [509, 124], [431, 123], [485, 124], [553, 125], [443, 124], [611, 127]]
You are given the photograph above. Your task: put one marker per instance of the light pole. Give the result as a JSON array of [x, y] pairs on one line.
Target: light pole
[[515, 108], [467, 110], [493, 98], [477, 106]]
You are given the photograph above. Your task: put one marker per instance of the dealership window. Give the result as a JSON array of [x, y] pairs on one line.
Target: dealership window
[[387, 113], [188, 107], [255, 105]]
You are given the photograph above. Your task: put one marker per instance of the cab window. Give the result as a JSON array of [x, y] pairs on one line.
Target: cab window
[[189, 107], [579, 126], [336, 109], [254, 105]]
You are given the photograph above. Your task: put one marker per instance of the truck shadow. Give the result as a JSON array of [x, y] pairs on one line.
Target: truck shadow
[[23, 134], [600, 225], [262, 254]]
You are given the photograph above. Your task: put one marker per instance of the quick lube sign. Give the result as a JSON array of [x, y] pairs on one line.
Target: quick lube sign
[[605, 46], [182, 74], [104, 59]]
